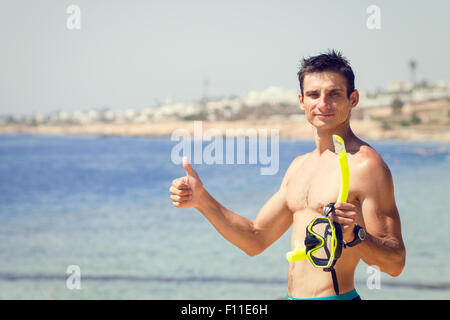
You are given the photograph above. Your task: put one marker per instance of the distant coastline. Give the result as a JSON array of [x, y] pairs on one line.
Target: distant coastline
[[288, 129]]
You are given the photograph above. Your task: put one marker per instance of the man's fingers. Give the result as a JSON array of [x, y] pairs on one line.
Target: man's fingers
[[345, 206], [344, 218], [176, 204], [176, 198], [180, 204], [180, 192], [180, 183], [345, 214], [343, 221]]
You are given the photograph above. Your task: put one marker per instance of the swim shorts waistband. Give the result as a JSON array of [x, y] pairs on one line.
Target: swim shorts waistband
[[351, 295]]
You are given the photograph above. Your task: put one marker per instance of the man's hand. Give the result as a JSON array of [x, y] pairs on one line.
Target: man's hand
[[345, 214], [185, 191]]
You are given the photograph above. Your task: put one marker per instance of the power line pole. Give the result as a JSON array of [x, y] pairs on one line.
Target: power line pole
[[413, 68]]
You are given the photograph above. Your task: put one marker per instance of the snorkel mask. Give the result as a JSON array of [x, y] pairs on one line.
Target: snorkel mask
[[323, 242]]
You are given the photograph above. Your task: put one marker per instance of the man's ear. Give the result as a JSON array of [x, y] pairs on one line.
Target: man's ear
[[354, 98], [300, 102]]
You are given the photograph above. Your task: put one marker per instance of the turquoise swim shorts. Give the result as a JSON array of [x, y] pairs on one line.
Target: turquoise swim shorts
[[351, 295]]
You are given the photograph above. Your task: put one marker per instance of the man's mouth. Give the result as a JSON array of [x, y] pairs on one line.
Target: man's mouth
[[324, 115]]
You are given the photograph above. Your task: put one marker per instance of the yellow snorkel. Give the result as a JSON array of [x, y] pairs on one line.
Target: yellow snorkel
[[314, 241], [339, 149]]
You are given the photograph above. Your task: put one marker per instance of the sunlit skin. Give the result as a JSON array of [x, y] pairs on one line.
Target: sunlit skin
[[310, 183]]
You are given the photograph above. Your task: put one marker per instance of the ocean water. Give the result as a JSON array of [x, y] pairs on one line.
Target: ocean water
[[102, 204]]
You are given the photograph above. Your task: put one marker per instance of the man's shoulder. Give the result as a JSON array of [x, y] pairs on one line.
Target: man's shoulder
[[368, 163], [295, 164], [372, 177], [301, 158]]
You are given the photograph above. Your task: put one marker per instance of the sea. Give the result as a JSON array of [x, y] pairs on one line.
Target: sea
[[89, 217]]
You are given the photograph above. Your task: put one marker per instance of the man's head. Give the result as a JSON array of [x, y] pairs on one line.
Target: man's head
[[327, 90]]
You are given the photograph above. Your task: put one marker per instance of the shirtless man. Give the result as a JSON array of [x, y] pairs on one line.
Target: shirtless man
[[327, 96]]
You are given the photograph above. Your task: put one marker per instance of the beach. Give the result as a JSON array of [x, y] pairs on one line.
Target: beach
[[426, 121], [288, 129]]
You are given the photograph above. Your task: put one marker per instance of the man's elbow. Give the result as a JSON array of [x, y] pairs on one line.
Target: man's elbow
[[255, 248], [398, 263], [257, 244], [254, 251]]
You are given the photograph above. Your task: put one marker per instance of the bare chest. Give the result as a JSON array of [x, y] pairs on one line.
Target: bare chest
[[314, 184]]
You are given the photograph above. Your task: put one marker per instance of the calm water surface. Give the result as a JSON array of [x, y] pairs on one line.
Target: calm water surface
[[103, 204]]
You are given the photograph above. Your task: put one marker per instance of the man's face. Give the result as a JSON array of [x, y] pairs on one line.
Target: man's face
[[325, 99]]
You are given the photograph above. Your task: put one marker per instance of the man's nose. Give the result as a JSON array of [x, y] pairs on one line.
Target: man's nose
[[324, 103]]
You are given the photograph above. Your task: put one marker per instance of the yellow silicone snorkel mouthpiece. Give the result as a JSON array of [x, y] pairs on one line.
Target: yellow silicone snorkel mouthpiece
[[299, 253]]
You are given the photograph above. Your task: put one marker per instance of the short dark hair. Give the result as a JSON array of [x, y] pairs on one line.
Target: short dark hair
[[330, 61]]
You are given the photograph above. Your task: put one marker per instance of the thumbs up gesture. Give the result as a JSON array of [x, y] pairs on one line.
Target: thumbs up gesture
[[185, 191]]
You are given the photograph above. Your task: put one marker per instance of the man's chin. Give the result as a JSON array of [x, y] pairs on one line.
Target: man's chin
[[322, 125]]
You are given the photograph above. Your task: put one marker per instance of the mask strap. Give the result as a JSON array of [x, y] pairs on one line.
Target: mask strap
[[326, 212], [335, 281]]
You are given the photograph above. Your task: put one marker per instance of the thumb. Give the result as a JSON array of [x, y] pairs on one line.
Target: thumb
[[187, 167]]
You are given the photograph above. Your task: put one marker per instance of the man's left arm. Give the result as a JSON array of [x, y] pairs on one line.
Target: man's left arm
[[383, 246]]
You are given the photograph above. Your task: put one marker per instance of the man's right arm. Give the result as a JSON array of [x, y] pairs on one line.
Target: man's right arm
[[251, 236], [255, 236]]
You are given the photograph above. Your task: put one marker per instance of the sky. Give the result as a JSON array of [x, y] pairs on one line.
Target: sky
[[134, 54]]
